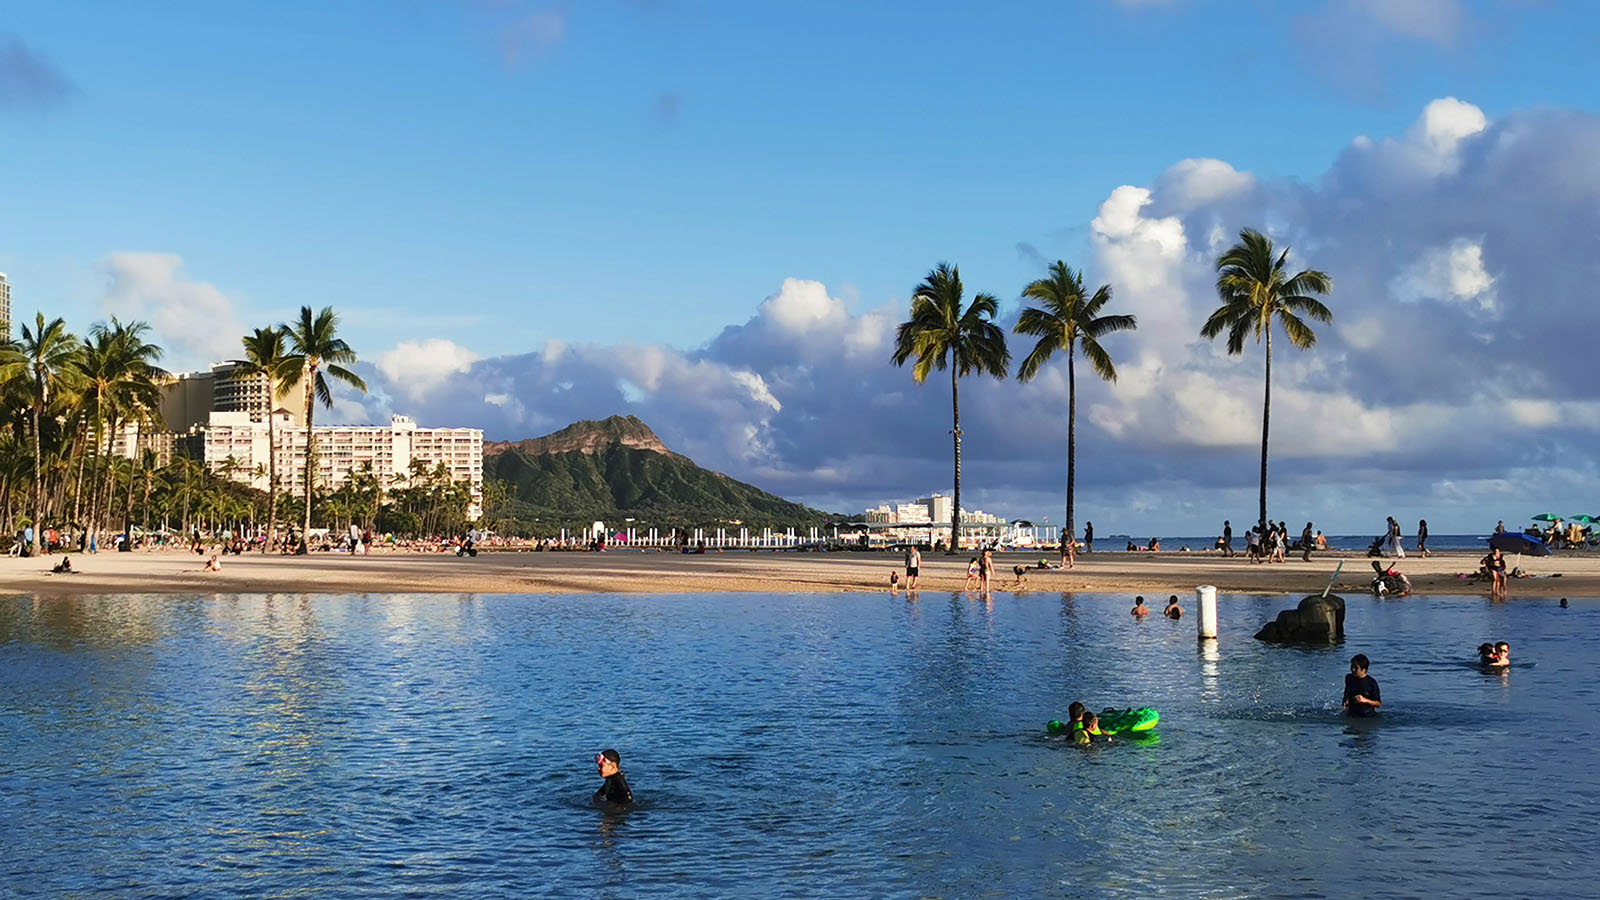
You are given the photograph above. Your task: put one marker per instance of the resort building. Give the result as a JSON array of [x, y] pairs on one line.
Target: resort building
[[188, 400], [5, 308], [928, 519], [234, 444]]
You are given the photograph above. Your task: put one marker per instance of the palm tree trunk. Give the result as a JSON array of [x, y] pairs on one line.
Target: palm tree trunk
[[955, 508], [133, 472], [272, 468], [1266, 412], [79, 445], [38, 464], [1072, 442], [311, 446]]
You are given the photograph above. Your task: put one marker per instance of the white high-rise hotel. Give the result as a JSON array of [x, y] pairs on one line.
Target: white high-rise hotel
[[224, 413], [236, 443], [5, 308]]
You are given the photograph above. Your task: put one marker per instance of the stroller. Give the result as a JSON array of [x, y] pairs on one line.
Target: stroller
[[1376, 548]]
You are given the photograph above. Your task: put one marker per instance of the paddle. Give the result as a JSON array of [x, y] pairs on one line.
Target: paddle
[[1333, 579]]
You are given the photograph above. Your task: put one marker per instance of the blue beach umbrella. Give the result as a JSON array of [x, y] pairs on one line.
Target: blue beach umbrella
[[1526, 544]]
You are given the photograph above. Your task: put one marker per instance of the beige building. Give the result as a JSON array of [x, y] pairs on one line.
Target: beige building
[[236, 443], [5, 308], [188, 400]]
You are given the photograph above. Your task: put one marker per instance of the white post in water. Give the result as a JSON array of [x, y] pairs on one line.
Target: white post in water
[[1206, 598]]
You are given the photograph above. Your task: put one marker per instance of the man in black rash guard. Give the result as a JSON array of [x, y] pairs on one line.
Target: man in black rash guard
[[615, 790], [1361, 697]]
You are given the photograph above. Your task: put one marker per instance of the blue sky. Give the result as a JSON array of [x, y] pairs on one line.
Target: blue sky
[[475, 180]]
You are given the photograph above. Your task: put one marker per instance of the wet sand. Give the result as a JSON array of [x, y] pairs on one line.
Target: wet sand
[[632, 572]]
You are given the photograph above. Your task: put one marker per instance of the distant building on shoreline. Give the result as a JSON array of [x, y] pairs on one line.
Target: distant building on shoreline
[[221, 418], [189, 399], [927, 520], [5, 308], [231, 443]]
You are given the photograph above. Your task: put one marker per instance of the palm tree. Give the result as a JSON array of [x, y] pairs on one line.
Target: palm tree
[[942, 333], [315, 349], [266, 354], [47, 350], [1255, 287], [1066, 320], [116, 367]]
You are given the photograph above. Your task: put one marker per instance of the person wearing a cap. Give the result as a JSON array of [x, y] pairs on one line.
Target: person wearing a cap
[[615, 790]]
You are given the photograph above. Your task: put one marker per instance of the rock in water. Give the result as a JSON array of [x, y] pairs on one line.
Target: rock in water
[[1317, 619]]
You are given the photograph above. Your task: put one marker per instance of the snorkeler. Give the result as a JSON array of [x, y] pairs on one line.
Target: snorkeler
[[615, 790]]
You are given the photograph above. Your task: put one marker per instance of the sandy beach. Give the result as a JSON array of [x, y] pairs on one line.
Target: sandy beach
[[624, 572]]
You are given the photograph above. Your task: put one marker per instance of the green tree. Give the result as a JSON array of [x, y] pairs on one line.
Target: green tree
[[1066, 320], [266, 353], [1255, 287], [946, 332], [48, 350], [317, 350]]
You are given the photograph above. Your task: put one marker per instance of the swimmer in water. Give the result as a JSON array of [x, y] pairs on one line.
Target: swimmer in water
[[615, 790], [1075, 715], [1139, 609], [1361, 695], [1486, 654], [1173, 610], [1091, 728], [1502, 656]]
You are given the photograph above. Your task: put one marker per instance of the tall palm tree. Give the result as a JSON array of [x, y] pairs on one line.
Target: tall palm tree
[[47, 350], [945, 332], [1066, 320], [266, 353], [1256, 287], [316, 350], [117, 371]]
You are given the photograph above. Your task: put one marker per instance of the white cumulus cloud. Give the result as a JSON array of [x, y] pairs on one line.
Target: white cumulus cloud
[[417, 367]]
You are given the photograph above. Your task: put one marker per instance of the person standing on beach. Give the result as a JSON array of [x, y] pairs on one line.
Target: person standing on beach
[[1227, 538], [985, 569], [1088, 537], [1306, 543], [913, 566], [1395, 549], [1495, 565], [1252, 544], [1422, 538]]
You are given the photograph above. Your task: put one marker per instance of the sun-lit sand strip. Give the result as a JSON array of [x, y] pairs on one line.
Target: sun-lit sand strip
[[663, 573]]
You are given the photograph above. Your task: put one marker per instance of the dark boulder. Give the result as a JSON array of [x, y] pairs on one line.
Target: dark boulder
[[1317, 619]]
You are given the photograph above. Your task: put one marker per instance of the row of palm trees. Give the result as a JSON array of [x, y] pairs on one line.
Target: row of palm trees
[[65, 400], [944, 331]]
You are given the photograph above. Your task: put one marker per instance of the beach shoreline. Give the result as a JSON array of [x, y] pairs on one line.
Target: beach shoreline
[[635, 572]]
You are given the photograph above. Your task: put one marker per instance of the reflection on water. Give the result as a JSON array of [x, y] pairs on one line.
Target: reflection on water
[[836, 746]]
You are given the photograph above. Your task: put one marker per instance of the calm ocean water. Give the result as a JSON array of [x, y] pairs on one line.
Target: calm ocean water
[[782, 746]]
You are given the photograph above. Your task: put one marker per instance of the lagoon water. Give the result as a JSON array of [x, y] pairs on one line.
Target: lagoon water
[[782, 746]]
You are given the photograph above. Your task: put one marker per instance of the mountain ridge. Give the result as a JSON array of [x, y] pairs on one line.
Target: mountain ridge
[[618, 468]]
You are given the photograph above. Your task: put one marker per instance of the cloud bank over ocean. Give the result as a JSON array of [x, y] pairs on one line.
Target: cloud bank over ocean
[[1462, 255]]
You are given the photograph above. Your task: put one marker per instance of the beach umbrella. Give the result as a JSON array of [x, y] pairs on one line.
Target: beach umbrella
[[1547, 517], [1511, 542], [1585, 520]]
